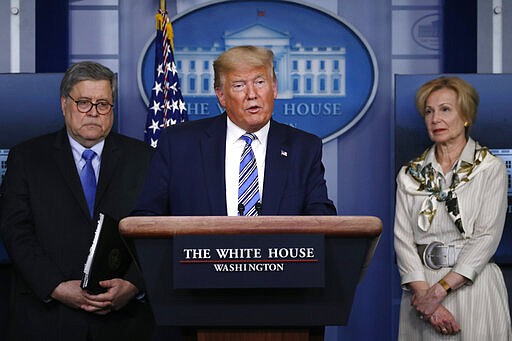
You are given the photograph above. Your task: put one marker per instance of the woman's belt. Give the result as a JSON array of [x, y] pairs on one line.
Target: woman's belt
[[436, 255]]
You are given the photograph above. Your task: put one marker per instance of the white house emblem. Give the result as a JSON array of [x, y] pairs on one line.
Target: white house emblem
[[326, 72]]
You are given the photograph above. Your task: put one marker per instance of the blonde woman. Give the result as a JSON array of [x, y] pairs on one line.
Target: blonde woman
[[451, 203]]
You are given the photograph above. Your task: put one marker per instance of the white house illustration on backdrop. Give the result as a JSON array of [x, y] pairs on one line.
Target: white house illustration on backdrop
[[301, 71], [506, 156]]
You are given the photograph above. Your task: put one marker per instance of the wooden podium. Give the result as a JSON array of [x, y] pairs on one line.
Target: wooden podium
[[254, 313]]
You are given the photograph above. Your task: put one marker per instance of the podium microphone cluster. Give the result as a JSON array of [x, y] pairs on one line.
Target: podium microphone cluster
[[258, 207], [241, 208]]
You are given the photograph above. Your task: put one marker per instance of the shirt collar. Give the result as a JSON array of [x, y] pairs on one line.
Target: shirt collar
[[467, 155], [78, 149], [234, 132]]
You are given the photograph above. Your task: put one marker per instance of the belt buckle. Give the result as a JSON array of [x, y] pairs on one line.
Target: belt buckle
[[427, 256]]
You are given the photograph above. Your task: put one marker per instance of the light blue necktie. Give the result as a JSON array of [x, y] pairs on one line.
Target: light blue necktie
[[248, 188], [88, 179]]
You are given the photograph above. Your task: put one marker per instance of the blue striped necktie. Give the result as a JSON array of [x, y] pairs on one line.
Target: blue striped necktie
[[248, 188], [88, 179]]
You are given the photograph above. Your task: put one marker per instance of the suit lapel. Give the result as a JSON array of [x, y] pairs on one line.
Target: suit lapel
[[277, 164], [67, 167], [213, 152], [110, 158]]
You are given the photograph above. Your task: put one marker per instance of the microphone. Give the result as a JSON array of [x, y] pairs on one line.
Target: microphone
[[258, 207], [241, 209]]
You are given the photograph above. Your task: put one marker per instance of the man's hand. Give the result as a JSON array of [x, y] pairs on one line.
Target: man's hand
[[119, 293], [69, 293]]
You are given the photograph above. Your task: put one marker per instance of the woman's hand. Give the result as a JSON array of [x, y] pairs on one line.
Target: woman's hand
[[443, 321], [427, 301]]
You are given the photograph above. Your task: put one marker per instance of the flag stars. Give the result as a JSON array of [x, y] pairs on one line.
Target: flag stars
[[160, 69], [174, 106], [174, 69], [155, 107], [157, 88], [167, 106], [154, 126], [174, 87], [182, 106], [170, 122]]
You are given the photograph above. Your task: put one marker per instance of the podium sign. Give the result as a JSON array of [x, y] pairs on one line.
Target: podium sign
[[249, 261], [349, 244]]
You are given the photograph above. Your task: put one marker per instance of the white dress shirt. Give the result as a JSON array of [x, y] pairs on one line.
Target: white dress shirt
[[234, 148]]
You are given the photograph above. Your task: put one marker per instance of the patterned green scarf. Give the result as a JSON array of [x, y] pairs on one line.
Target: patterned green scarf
[[429, 181]]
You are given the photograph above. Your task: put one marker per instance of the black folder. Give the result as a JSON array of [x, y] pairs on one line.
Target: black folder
[[108, 258]]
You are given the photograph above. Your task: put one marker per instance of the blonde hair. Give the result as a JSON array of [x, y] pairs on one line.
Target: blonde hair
[[467, 96], [242, 57]]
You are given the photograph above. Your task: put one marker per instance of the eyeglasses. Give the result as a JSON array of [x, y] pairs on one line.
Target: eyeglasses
[[85, 105]]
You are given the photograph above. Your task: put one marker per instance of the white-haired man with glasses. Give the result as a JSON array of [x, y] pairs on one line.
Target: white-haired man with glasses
[[49, 210]]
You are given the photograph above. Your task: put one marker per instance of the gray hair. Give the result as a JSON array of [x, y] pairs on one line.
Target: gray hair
[[86, 71]]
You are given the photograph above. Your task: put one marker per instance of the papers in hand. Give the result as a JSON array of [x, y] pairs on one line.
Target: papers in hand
[[108, 256]]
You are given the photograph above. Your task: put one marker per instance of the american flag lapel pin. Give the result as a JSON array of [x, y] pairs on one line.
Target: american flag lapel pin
[[284, 153]]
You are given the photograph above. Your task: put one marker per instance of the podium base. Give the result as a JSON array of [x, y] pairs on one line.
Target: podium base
[[258, 334]]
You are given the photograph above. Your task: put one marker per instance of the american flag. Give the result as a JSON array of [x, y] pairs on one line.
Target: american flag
[[166, 106]]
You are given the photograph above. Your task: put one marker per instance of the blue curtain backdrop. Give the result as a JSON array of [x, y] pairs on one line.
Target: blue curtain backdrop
[[365, 154]]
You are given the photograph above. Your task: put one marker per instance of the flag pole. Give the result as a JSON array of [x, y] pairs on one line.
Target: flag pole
[[162, 5]]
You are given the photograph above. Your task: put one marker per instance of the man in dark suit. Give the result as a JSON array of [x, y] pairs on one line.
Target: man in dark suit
[[47, 225], [195, 170]]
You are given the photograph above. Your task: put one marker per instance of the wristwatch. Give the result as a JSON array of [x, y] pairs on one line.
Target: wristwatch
[[445, 285]]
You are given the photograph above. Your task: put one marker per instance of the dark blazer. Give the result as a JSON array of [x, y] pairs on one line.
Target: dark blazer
[[187, 174], [47, 232]]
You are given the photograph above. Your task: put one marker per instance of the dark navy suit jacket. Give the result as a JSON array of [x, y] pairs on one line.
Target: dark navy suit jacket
[[187, 174], [47, 231]]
